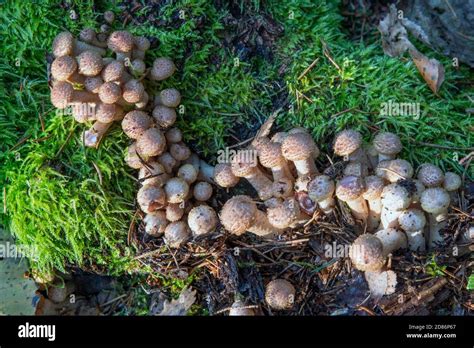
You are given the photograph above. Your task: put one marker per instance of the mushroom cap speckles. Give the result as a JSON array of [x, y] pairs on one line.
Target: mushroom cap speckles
[[153, 174], [162, 69], [395, 197], [89, 63], [176, 234], [430, 175], [133, 91], [174, 211], [373, 187], [135, 123], [120, 41], [188, 173], [387, 143], [452, 181], [141, 43], [280, 294], [238, 214], [174, 135], [270, 155], [110, 92], [170, 97], [346, 142], [435, 200], [93, 83], [151, 143], [105, 113], [180, 151], [350, 188], [366, 253], [63, 44], [397, 169], [223, 175], [244, 164], [321, 188], [283, 215], [299, 146], [151, 198], [62, 94], [202, 220], [412, 220], [131, 158], [202, 191], [63, 67], [176, 190], [113, 71], [155, 223], [164, 116]]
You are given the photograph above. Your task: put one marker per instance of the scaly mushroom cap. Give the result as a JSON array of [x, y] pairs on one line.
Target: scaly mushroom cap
[[106, 113], [238, 214], [63, 44], [170, 97], [155, 223], [188, 173], [387, 143], [135, 123], [350, 188], [176, 234], [243, 164], [151, 143], [202, 220], [141, 43], [279, 137], [168, 162], [412, 220], [120, 41], [283, 215], [419, 188], [176, 190], [87, 35], [270, 155], [299, 146], [62, 94], [133, 91], [202, 191], [321, 188], [397, 169], [435, 200], [223, 175], [164, 116], [280, 294], [109, 17], [452, 181], [430, 175], [151, 198], [366, 253], [282, 187], [113, 71], [174, 212], [89, 63], [373, 187], [396, 197], [132, 158], [346, 142], [354, 168], [110, 92], [180, 151], [153, 174], [174, 135], [138, 67], [259, 142], [93, 83], [63, 67], [162, 69]]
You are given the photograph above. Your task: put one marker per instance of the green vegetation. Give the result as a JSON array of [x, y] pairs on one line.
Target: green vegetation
[[75, 205]]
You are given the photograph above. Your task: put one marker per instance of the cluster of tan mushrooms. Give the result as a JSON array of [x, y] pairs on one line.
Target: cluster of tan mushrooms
[[396, 209]]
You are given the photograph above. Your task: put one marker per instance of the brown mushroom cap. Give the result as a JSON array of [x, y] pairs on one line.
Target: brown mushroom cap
[[223, 175], [174, 135], [162, 69], [366, 253], [347, 142], [106, 113], [63, 68], [202, 191], [133, 91], [243, 165], [63, 44], [170, 97], [299, 146], [155, 223], [435, 200], [93, 83], [132, 158], [239, 308], [238, 214], [350, 188], [397, 169], [168, 162], [283, 187], [151, 198], [279, 137], [180, 151], [138, 67], [320, 188], [164, 116], [452, 181], [113, 71], [387, 143], [153, 173], [110, 92], [373, 187], [430, 175], [174, 212], [176, 234], [151, 143], [355, 168], [109, 17], [202, 220], [176, 190], [141, 43], [120, 41], [412, 220], [270, 155], [395, 197], [135, 123], [63, 94], [283, 215], [89, 63], [188, 173], [280, 294]]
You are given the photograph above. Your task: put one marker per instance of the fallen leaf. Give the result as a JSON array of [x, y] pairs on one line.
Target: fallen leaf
[[431, 69]]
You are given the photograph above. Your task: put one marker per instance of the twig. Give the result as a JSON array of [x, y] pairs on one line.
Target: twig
[[98, 172], [311, 66], [342, 112]]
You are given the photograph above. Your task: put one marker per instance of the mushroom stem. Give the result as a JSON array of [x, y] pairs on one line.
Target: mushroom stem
[[389, 218], [206, 172], [306, 166], [359, 208], [392, 239], [95, 133], [436, 223], [80, 47], [375, 209], [327, 205]]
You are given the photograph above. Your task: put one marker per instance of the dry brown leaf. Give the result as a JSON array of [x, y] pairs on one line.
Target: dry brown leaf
[[431, 69]]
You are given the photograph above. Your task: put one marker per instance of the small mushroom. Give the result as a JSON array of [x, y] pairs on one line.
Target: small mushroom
[[347, 143], [239, 308], [153, 174], [155, 223], [435, 201], [64, 44], [133, 91], [65, 69], [93, 83], [170, 97], [388, 145], [174, 135], [353, 168], [452, 182], [162, 69], [89, 63], [137, 67], [282, 188], [350, 189], [132, 158], [88, 35], [121, 42], [280, 294], [223, 175], [301, 150], [176, 234], [395, 170], [141, 45], [413, 222], [63, 94], [392, 240], [430, 175], [188, 173], [271, 157], [115, 72], [286, 214], [321, 189], [110, 93], [202, 191], [180, 151], [176, 190], [202, 220], [151, 198], [151, 143], [395, 199], [367, 253], [109, 17], [135, 123], [164, 116], [174, 211], [107, 113], [168, 162]]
